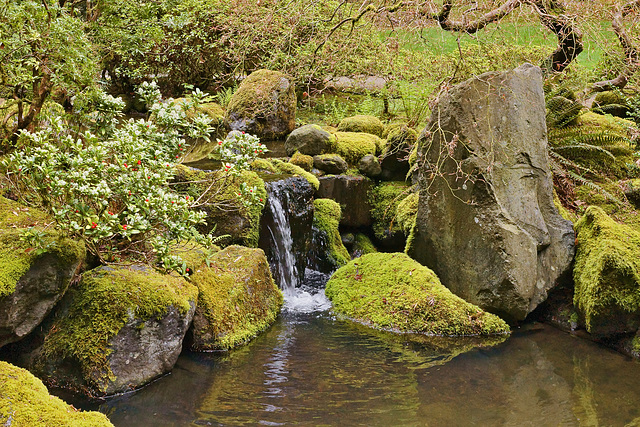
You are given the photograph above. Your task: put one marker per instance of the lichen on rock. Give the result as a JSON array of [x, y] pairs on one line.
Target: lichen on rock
[[392, 291]]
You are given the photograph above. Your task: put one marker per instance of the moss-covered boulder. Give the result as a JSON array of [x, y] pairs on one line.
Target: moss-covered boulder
[[311, 140], [392, 291], [330, 163], [351, 194], [26, 402], [118, 329], [264, 105], [32, 280], [369, 166], [362, 245], [395, 155], [302, 160], [286, 168], [611, 102], [607, 274], [220, 198], [237, 299], [362, 123], [328, 252], [632, 192], [384, 199], [201, 149], [353, 146]]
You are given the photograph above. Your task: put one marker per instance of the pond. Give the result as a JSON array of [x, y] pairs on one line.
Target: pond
[[315, 369]]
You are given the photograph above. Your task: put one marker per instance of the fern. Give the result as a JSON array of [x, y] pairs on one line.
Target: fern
[[562, 112]]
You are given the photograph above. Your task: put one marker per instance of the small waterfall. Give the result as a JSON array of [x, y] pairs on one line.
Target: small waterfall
[[286, 237]]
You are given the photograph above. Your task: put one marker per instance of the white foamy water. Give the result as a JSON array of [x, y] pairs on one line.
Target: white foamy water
[[304, 301]]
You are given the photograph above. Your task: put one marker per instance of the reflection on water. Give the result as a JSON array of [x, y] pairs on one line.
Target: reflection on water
[[311, 369]]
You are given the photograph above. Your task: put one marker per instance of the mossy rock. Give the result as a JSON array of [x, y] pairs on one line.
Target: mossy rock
[[330, 163], [384, 199], [291, 169], [353, 146], [362, 245], [302, 160], [607, 274], [262, 165], [264, 105], [608, 123], [26, 402], [611, 102], [237, 299], [310, 140], [202, 149], [226, 215], [330, 252], [362, 123], [118, 329], [406, 212], [392, 291]]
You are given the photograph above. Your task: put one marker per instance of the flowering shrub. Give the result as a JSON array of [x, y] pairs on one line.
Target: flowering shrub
[[108, 185]]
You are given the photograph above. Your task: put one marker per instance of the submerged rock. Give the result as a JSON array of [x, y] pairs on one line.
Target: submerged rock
[[25, 401], [607, 275], [117, 330], [392, 291], [237, 299], [264, 105], [486, 220]]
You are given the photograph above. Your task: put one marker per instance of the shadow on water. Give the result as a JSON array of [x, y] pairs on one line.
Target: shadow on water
[[313, 369]]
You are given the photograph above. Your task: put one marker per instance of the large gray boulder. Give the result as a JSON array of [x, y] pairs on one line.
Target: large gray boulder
[[264, 105], [486, 221], [311, 140]]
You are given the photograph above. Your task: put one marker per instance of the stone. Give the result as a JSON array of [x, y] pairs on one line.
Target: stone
[[327, 253], [395, 156], [118, 329], [264, 105], [392, 291], [607, 275], [353, 146], [486, 221], [351, 194], [362, 123], [310, 140], [330, 163], [369, 166], [237, 299]]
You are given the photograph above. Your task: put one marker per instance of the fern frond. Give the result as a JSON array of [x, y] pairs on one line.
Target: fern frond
[[609, 108], [592, 185], [581, 147], [562, 111], [569, 163]]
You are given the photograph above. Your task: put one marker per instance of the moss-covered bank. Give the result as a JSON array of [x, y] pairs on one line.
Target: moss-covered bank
[[607, 274], [25, 402], [237, 299], [392, 291]]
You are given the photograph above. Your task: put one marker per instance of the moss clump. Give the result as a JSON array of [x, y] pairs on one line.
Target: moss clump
[[607, 274], [564, 212], [362, 245], [353, 146], [26, 402], [384, 200], [263, 165], [400, 136], [100, 306], [361, 123], [291, 169], [598, 122], [302, 160], [392, 291], [326, 219], [406, 213], [608, 97], [254, 96], [15, 215], [237, 299]]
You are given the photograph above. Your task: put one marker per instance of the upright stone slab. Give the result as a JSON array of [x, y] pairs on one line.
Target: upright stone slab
[[486, 221]]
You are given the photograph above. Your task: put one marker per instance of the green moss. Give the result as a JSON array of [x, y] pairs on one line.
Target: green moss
[[302, 160], [406, 212], [608, 97], [237, 296], [291, 169], [101, 305], [353, 146], [564, 212], [599, 122], [326, 218], [263, 165], [16, 215], [362, 245], [398, 136], [254, 96], [361, 123], [607, 269], [384, 200], [392, 291], [26, 402]]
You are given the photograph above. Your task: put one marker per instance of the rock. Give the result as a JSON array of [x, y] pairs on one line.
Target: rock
[[330, 163], [632, 192], [286, 168], [292, 197], [361, 123], [492, 234], [237, 299], [607, 275], [311, 140], [353, 146], [384, 199], [610, 102], [392, 291], [32, 280], [327, 251], [201, 149], [25, 401], [362, 245], [229, 218], [351, 193], [302, 160], [369, 166], [395, 156], [117, 330], [264, 105]]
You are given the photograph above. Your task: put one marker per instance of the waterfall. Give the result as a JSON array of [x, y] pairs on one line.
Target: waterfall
[[286, 237]]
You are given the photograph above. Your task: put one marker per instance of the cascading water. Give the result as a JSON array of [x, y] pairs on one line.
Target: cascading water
[[289, 202]]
